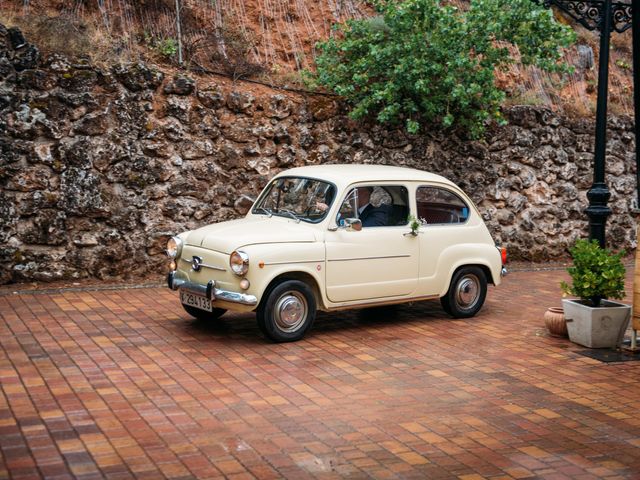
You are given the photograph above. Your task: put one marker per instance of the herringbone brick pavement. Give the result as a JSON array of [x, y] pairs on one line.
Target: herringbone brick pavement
[[123, 384]]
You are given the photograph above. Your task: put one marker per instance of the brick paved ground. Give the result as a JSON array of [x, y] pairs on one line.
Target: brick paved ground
[[123, 384]]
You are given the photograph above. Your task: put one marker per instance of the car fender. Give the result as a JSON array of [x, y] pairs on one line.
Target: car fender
[[457, 256], [304, 261]]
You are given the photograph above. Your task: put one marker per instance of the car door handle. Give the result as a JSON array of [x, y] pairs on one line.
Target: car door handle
[[410, 234]]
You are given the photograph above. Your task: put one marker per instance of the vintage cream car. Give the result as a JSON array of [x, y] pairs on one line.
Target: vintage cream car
[[334, 237]]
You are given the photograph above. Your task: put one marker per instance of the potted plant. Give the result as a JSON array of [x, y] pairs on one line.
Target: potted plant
[[597, 275]]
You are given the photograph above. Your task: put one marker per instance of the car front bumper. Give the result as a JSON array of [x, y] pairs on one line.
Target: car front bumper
[[210, 291]]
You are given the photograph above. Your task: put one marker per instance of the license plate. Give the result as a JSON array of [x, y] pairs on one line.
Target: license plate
[[197, 301]]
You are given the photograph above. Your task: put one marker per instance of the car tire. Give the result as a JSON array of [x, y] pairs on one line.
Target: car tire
[[287, 311], [202, 314], [466, 294]]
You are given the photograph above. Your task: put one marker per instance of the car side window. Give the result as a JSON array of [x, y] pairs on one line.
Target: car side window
[[376, 206], [439, 206]]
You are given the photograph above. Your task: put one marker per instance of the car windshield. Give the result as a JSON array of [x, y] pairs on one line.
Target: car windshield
[[298, 198]]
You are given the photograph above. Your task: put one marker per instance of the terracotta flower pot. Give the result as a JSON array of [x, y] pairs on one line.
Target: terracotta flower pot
[[555, 323]]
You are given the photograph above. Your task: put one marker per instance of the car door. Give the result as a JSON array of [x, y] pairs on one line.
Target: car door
[[376, 262], [443, 215]]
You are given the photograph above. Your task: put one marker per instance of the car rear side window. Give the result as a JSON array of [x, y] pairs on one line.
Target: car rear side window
[[439, 206]]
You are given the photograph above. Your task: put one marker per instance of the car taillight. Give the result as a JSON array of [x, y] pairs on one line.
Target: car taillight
[[503, 255]]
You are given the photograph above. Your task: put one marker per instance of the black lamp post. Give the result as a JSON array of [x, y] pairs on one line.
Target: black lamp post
[[606, 16]]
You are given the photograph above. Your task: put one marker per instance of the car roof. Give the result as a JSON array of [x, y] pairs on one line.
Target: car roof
[[345, 174]]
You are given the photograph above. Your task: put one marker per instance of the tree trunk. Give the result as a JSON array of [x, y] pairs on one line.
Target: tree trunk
[[179, 31]]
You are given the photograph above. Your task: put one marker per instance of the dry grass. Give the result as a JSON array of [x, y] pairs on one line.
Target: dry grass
[[69, 35], [228, 49]]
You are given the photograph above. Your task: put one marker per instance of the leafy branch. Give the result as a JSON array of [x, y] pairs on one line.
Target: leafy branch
[[421, 62]]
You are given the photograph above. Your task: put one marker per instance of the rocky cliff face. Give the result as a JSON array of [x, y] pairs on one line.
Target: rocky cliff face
[[99, 167]]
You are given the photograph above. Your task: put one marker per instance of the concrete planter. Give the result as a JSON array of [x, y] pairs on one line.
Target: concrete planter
[[601, 327]]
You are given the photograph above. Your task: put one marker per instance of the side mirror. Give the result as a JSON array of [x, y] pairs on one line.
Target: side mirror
[[353, 224]]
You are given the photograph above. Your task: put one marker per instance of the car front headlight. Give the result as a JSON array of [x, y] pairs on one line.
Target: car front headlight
[[239, 262], [174, 247]]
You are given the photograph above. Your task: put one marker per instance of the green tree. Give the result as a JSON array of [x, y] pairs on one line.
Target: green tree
[[423, 62]]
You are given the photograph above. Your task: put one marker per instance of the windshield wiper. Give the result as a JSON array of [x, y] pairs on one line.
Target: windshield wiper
[[290, 213], [265, 210]]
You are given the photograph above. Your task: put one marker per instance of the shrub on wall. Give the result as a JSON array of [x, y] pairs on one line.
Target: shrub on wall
[[423, 62]]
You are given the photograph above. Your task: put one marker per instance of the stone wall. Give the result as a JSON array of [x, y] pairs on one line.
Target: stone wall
[[98, 167]]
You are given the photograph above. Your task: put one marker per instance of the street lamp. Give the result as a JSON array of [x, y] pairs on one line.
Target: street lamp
[[606, 16]]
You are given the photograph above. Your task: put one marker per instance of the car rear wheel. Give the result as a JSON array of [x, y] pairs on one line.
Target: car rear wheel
[[287, 311], [202, 314], [467, 292]]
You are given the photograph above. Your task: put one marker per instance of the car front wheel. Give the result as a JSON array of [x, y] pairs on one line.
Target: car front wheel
[[466, 294], [287, 311], [202, 314]]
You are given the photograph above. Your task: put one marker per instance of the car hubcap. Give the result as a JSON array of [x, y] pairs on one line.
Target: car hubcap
[[291, 311], [468, 291]]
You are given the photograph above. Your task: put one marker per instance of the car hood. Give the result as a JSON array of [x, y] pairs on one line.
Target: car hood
[[228, 236]]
